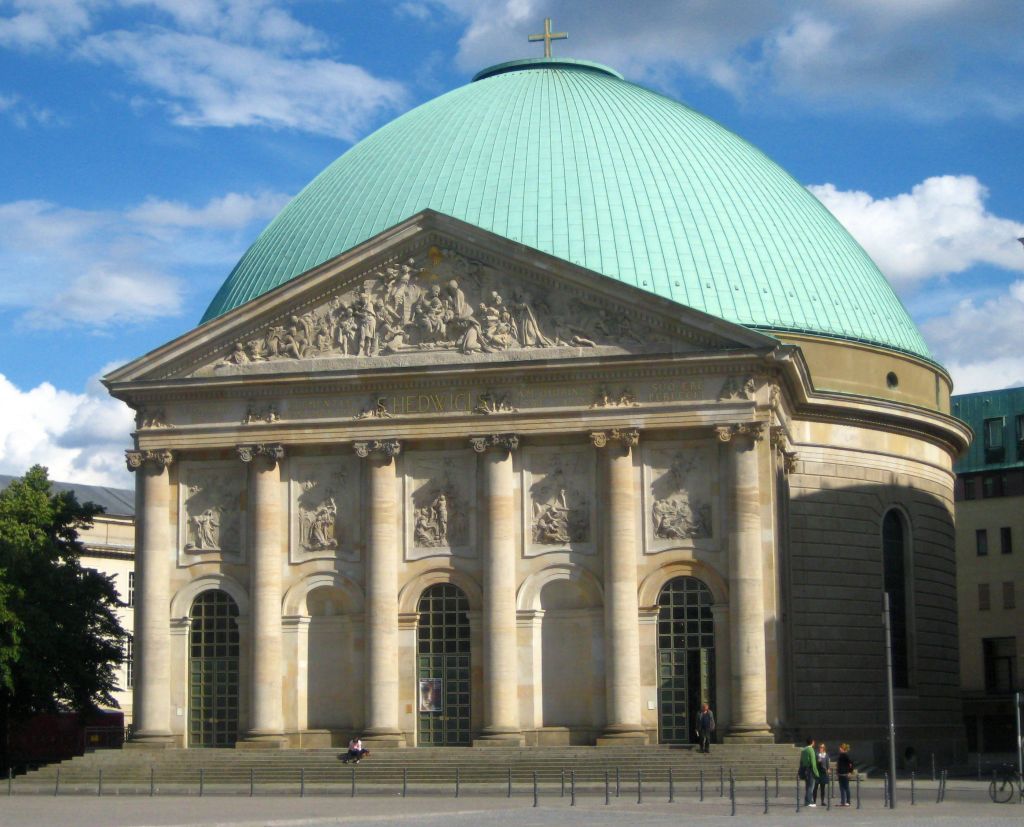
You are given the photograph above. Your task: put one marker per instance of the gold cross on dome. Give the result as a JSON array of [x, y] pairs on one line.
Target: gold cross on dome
[[548, 36]]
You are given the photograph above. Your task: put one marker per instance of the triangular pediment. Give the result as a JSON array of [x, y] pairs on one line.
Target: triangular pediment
[[437, 291]]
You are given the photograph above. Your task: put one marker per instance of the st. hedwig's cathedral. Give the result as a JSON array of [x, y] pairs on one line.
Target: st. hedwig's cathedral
[[546, 413]]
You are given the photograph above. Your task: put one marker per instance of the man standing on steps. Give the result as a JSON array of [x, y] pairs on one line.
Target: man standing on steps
[[705, 727], [808, 772]]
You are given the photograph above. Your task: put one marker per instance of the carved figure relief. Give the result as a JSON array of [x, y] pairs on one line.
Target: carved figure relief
[[325, 508], [492, 403], [443, 302], [210, 518], [560, 485], [377, 409], [736, 387], [440, 502], [678, 495], [260, 413], [151, 418], [623, 399]]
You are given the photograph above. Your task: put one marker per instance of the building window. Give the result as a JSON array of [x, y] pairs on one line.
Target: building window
[[129, 656], [131, 588], [1000, 664], [992, 486], [993, 433], [1008, 596], [981, 541], [1006, 540], [895, 579], [970, 488], [984, 604]]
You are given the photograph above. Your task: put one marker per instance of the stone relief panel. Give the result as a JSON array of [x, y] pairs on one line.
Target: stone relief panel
[[440, 504], [680, 491], [324, 508], [440, 301], [559, 504], [210, 520]]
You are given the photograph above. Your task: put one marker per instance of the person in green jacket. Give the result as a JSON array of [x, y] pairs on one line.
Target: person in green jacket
[[809, 772]]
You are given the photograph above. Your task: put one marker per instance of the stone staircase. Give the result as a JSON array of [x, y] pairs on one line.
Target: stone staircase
[[413, 771]]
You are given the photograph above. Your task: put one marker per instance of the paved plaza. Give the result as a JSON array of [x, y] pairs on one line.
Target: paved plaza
[[966, 804]]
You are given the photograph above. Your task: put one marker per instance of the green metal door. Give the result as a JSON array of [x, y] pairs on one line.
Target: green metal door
[[213, 671], [443, 662], [686, 657]]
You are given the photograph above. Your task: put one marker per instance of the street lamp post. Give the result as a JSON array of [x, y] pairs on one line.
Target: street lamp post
[[892, 713]]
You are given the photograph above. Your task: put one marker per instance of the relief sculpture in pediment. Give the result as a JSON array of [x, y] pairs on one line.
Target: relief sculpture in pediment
[[445, 303]]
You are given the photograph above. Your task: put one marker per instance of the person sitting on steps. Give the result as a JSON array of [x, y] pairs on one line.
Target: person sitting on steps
[[356, 752]]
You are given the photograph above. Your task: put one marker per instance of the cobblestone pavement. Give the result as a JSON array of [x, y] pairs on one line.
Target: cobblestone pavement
[[966, 805]]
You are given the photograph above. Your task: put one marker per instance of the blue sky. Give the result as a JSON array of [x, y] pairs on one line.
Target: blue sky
[[147, 142]]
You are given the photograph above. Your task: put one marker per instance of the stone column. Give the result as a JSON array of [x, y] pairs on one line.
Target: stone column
[[500, 672], [746, 583], [151, 700], [381, 634], [265, 689], [621, 605]]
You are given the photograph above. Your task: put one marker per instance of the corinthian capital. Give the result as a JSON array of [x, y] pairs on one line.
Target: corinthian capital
[[506, 442], [272, 451], [753, 430], [628, 438], [387, 447], [136, 459]]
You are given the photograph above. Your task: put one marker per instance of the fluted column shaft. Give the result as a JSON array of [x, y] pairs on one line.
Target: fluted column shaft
[[500, 673], [622, 611], [746, 585], [382, 601], [264, 486], [151, 703]]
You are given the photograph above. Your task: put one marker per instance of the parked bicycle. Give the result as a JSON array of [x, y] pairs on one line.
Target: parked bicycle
[[1005, 782]]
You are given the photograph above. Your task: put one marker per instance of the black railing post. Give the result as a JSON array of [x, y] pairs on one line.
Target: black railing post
[[798, 795], [99, 783], [766, 795], [776, 782], [535, 788], [252, 782], [302, 783], [671, 788], [353, 782], [56, 784], [857, 778], [732, 793], [702, 785], [607, 796], [911, 789], [885, 799], [562, 793], [456, 782], [572, 788], [509, 782], [152, 781], [201, 779], [10, 781], [639, 787], [618, 782], [405, 781], [721, 781]]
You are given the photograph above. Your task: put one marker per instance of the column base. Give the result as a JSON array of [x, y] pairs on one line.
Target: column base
[[262, 741], [383, 740], [622, 737], [500, 738], [159, 740]]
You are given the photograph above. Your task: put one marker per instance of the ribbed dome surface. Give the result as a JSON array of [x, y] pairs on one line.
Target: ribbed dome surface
[[568, 158]]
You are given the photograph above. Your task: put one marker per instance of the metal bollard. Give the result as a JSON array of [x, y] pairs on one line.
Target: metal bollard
[[456, 782], [831, 781], [828, 797], [99, 783], [885, 793], [911, 789], [607, 796], [302, 783], [639, 787], [535, 788], [562, 793], [405, 781], [509, 782], [702, 785], [618, 782], [721, 781], [776, 782], [572, 788], [671, 788], [938, 790], [56, 784], [10, 781], [732, 793], [252, 782], [766, 795], [201, 779], [945, 778], [353, 782], [798, 795], [152, 781], [857, 777]]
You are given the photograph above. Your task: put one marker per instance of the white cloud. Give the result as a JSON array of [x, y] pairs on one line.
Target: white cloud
[[31, 24], [208, 82], [24, 113], [939, 228], [80, 437], [96, 268]]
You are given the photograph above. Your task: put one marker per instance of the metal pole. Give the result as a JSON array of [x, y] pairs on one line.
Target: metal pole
[[892, 713], [252, 782], [302, 783], [456, 782], [56, 784], [353, 782], [618, 782], [607, 796], [562, 793], [405, 782], [99, 783], [885, 792], [933, 766], [938, 790], [945, 778], [572, 781], [639, 787], [510, 782], [671, 788], [535, 788], [828, 795], [766, 795], [912, 802], [721, 781], [732, 793], [201, 782], [10, 781], [857, 779], [798, 795], [152, 781], [702, 785], [776, 782]]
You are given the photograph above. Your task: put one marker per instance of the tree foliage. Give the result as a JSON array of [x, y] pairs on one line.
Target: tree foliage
[[60, 638]]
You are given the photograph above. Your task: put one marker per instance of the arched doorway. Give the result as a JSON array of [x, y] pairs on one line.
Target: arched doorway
[[213, 671], [686, 657], [443, 667]]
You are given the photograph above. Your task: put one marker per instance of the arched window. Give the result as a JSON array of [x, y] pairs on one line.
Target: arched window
[[895, 584]]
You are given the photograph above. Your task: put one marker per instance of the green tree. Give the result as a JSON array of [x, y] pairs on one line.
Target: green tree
[[60, 638]]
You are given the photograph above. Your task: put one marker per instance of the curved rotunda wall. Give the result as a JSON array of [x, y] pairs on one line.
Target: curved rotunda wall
[[570, 159]]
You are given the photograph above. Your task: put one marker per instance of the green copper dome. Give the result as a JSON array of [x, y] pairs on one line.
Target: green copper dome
[[568, 158]]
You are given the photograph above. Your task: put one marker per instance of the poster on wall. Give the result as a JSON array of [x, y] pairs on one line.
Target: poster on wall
[[431, 698]]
